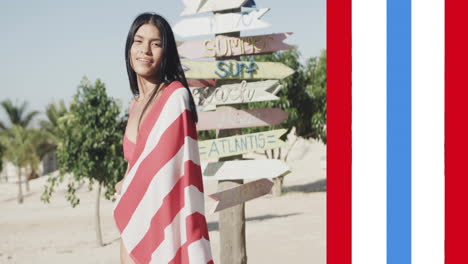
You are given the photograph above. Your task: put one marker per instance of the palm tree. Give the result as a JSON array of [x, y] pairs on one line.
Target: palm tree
[[17, 114], [21, 149]]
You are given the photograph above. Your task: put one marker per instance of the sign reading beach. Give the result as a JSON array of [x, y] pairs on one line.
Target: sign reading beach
[[244, 92]]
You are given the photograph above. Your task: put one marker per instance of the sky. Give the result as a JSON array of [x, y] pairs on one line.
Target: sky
[[48, 46]]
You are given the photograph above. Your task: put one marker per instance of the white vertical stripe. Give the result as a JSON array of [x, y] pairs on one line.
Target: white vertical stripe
[[175, 234], [159, 187], [199, 252], [427, 131], [170, 112], [369, 131]]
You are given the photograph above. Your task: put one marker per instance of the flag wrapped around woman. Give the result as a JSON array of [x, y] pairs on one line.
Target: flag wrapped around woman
[[160, 210]]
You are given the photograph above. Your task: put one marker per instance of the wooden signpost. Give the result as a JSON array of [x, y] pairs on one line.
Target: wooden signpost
[[221, 23], [244, 169], [238, 93], [228, 118], [230, 172], [235, 145], [223, 46], [193, 7], [240, 194], [241, 70]]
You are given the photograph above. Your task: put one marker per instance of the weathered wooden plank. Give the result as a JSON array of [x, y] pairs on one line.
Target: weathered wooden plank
[[229, 146], [221, 23], [201, 82], [240, 194], [238, 93], [244, 169], [223, 46], [193, 7], [242, 70], [227, 117]]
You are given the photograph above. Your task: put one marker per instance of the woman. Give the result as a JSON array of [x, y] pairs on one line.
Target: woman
[[159, 210]]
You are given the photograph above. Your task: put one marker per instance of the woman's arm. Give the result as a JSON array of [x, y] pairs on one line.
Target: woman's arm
[[118, 185]]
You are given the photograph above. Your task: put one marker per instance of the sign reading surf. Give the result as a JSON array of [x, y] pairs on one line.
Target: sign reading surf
[[231, 69]]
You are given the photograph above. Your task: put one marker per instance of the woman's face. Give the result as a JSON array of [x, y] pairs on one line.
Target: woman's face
[[146, 51]]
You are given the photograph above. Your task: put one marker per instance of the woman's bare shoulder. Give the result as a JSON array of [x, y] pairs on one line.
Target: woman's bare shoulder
[[132, 103]]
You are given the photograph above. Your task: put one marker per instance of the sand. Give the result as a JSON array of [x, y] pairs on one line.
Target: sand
[[285, 229]]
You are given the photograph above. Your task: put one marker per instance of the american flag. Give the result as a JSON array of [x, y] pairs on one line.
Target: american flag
[[160, 212]]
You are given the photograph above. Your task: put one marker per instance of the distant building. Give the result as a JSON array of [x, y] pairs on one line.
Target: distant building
[[49, 163]]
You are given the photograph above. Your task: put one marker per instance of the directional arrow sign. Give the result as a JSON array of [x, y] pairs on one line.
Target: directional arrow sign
[[238, 93], [228, 117], [223, 46], [240, 194], [229, 146], [222, 23], [244, 169], [201, 82], [202, 6], [231, 69]]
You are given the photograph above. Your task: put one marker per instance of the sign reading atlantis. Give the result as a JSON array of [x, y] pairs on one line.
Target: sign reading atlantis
[[235, 145]]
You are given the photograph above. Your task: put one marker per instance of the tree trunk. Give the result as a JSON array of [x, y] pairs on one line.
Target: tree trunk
[[98, 218], [277, 188], [232, 229], [20, 189], [27, 180]]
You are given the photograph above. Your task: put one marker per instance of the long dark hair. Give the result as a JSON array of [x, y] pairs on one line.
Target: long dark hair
[[170, 69]]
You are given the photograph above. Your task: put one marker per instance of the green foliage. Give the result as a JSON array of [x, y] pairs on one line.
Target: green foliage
[[206, 134], [17, 114], [303, 96], [50, 126], [91, 147], [22, 146]]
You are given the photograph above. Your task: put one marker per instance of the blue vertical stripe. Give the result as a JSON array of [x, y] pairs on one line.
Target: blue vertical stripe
[[398, 131]]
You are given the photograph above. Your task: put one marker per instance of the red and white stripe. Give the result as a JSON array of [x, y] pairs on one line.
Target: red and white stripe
[[160, 212]]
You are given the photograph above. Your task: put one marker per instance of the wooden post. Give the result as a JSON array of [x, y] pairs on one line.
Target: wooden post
[[231, 220]]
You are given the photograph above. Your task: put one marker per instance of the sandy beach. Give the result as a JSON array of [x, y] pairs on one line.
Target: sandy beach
[[286, 229]]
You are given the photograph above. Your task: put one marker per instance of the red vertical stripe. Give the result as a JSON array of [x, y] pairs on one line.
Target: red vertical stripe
[[169, 144], [151, 117], [456, 132], [193, 223], [339, 132], [171, 206]]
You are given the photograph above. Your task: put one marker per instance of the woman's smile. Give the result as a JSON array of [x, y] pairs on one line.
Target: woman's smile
[[145, 61]]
